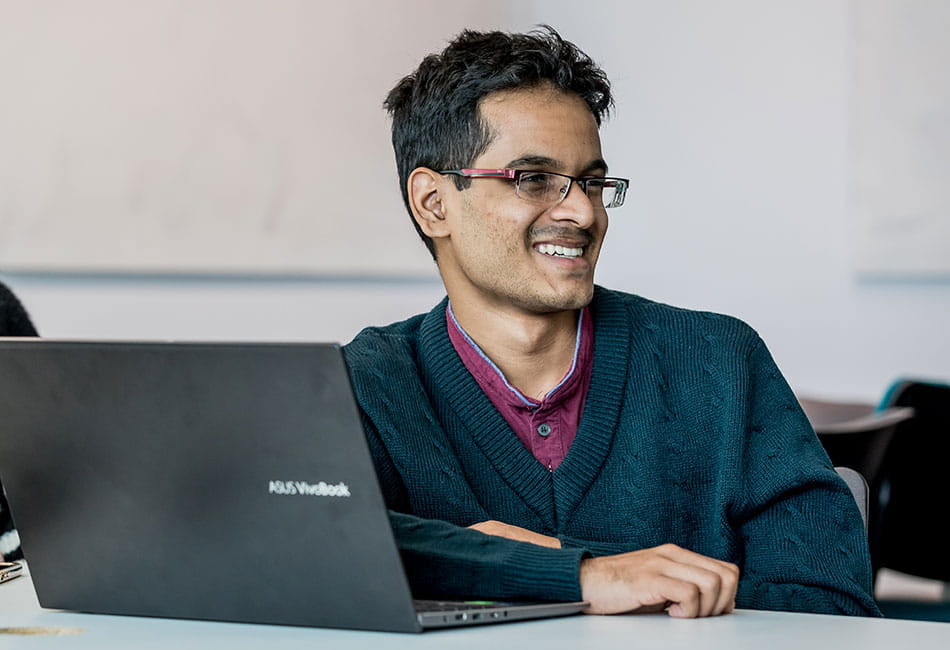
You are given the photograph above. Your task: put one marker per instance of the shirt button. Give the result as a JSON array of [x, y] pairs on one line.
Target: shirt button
[[544, 430]]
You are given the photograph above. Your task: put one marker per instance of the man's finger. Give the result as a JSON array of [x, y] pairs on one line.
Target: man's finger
[[709, 585], [717, 580], [685, 596]]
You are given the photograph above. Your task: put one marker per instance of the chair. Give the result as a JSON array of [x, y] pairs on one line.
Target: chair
[[859, 489], [855, 435], [913, 493], [859, 436], [14, 321]]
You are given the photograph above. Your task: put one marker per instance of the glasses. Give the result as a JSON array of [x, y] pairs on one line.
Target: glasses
[[550, 188]]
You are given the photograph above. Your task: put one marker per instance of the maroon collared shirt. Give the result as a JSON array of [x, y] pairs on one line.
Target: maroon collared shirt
[[547, 427]]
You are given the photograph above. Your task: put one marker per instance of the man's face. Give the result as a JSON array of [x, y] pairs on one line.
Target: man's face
[[498, 254]]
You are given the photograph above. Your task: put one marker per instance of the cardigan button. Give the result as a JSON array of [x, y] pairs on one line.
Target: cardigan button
[[544, 430]]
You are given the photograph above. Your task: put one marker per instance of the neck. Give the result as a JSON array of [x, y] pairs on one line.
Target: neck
[[534, 351]]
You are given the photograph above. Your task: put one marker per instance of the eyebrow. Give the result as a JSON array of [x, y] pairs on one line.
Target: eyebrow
[[532, 160]]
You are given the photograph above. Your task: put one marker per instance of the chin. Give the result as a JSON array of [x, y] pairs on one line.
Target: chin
[[566, 301]]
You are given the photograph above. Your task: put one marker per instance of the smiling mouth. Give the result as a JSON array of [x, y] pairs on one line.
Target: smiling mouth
[[559, 251]]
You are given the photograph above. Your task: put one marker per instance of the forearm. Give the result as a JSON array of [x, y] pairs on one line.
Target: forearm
[[447, 561], [443, 560]]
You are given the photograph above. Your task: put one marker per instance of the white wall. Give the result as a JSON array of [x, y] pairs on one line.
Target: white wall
[[732, 122], [139, 132]]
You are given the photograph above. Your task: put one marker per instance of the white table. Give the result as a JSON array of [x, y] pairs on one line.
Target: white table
[[743, 629]]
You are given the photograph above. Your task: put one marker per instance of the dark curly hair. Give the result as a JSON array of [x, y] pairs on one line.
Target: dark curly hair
[[435, 110]]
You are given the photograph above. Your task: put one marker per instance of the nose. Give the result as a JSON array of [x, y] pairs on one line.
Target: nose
[[576, 207]]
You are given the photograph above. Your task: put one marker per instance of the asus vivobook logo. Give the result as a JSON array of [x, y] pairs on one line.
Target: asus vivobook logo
[[321, 489]]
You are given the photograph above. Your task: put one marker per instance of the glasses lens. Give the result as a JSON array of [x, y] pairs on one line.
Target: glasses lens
[[608, 192], [540, 187]]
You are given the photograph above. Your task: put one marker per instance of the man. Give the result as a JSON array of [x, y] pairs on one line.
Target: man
[[540, 437]]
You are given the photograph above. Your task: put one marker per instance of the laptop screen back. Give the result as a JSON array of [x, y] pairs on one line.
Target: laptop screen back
[[210, 481]]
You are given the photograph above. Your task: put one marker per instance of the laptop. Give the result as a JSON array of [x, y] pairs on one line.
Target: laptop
[[215, 481]]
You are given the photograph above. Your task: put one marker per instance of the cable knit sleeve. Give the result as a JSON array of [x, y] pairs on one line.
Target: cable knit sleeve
[[447, 561], [803, 542]]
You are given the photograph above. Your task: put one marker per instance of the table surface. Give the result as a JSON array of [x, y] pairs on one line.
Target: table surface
[[24, 624]]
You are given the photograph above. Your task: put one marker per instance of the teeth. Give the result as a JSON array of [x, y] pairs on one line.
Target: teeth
[[560, 251]]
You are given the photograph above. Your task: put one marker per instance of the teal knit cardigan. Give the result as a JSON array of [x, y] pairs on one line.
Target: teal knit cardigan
[[689, 435]]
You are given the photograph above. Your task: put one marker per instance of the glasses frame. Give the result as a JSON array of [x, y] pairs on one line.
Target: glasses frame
[[620, 184]]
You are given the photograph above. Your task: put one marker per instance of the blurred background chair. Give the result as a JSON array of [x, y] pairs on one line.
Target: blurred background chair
[[912, 508], [855, 435], [859, 489], [902, 447], [858, 436], [14, 321]]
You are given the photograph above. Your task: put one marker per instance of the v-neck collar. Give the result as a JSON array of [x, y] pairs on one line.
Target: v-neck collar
[[448, 380]]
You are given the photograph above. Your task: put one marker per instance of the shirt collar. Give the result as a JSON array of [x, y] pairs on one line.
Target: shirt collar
[[480, 365]]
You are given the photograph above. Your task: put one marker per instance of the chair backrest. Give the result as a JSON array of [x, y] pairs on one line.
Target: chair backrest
[[14, 320], [907, 531], [859, 488], [855, 435]]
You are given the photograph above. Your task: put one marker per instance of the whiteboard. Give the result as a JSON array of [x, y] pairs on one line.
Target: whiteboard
[[901, 136], [210, 136]]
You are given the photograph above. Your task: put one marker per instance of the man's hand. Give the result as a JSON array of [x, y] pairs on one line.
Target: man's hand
[[516, 533], [653, 579]]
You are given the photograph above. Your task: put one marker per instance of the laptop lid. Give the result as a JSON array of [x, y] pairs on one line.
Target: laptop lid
[[197, 480]]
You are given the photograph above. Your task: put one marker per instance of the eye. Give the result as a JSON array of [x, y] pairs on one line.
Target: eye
[[534, 179], [538, 186]]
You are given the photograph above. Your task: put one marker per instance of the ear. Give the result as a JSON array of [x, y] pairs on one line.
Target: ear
[[425, 199]]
